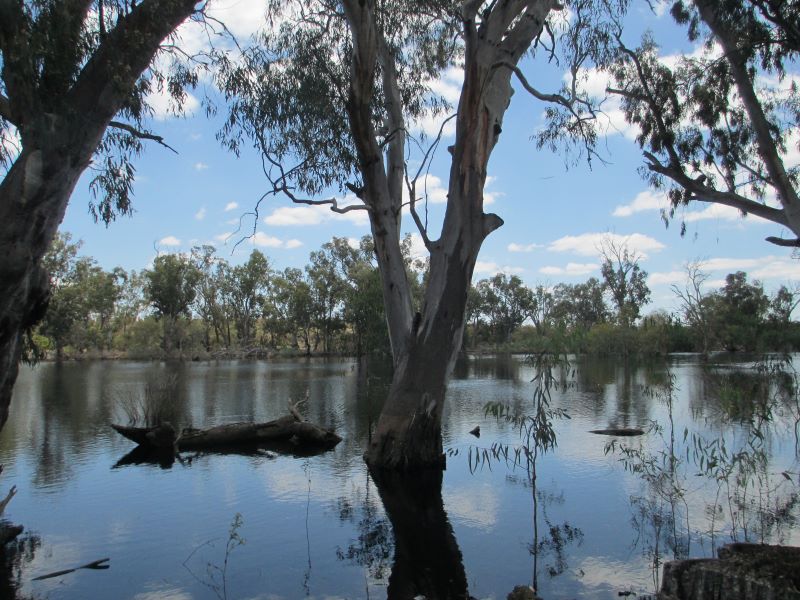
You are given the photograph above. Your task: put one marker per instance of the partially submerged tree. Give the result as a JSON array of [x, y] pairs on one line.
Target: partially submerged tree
[[68, 69], [719, 125], [334, 91], [695, 305]]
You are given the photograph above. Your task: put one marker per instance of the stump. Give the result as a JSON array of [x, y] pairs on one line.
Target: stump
[[742, 572]]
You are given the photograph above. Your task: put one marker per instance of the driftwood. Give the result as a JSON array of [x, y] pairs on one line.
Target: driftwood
[[95, 564], [8, 531], [289, 428], [621, 431]]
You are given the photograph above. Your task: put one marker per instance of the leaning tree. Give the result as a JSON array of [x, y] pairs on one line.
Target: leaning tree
[[72, 94], [330, 97], [721, 124]]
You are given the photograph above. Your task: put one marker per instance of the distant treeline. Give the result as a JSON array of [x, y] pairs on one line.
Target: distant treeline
[[197, 304]]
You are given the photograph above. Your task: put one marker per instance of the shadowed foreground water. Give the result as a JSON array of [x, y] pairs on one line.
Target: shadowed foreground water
[[591, 524]]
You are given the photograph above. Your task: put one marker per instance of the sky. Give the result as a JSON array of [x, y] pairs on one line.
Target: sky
[[555, 214]]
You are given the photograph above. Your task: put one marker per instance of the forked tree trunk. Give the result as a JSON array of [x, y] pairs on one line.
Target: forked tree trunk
[[59, 137], [425, 345]]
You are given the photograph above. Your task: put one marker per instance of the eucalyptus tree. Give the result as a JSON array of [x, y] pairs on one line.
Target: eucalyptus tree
[[249, 284], [624, 280], [330, 97], [506, 302], [68, 69], [580, 305], [695, 304], [291, 307], [171, 290], [719, 125], [329, 276]]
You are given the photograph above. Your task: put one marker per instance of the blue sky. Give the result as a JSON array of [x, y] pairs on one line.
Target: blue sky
[[554, 216]]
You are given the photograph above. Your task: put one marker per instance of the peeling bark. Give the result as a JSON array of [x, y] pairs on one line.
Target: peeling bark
[[408, 433]]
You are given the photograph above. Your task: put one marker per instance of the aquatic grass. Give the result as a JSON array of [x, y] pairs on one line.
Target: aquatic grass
[[156, 404]]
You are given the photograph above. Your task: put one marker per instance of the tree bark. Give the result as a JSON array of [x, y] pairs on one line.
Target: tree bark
[[425, 346], [57, 145]]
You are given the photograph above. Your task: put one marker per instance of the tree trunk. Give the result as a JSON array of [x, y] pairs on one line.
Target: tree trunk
[[57, 147], [425, 346]]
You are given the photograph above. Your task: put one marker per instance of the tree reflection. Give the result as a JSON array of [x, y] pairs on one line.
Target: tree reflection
[[739, 489], [14, 558], [427, 560]]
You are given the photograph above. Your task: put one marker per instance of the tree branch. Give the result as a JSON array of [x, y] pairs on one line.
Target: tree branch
[[144, 135], [789, 243], [704, 193]]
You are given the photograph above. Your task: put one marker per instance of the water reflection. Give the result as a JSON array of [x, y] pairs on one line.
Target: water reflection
[[14, 556], [427, 560], [584, 527], [714, 486]]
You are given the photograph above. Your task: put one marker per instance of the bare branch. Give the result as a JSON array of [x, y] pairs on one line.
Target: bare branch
[[144, 135], [412, 184], [704, 193], [334, 204]]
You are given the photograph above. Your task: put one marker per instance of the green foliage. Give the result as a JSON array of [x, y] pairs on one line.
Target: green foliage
[[624, 280], [288, 94], [46, 46]]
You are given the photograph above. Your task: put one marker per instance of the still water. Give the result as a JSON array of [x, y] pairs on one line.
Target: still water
[[596, 521]]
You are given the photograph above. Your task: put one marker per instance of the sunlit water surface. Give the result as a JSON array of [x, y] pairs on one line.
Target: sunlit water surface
[[316, 526]]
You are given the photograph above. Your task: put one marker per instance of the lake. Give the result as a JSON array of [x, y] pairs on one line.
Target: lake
[[600, 517]]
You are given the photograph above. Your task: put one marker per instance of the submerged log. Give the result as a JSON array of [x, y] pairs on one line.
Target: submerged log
[[620, 431], [287, 428]]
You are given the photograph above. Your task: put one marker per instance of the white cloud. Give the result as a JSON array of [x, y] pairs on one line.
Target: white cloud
[[261, 239], [449, 84], [200, 214], [492, 268], [200, 166], [303, 216], [164, 107], [514, 247], [429, 187], [11, 143], [418, 249], [267, 241], [666, 278], [286, 216], [644, 201], [231, 206], [490, 197], [170, 240], [571, 269], [589, 244], [432, 188], [720, 212]]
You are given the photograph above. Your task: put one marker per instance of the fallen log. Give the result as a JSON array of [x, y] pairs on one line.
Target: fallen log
[[289, 428], [620, 431]]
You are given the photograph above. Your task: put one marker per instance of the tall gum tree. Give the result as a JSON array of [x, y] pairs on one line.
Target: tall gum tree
[[68, 68], [720, 125], [332, 90]]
